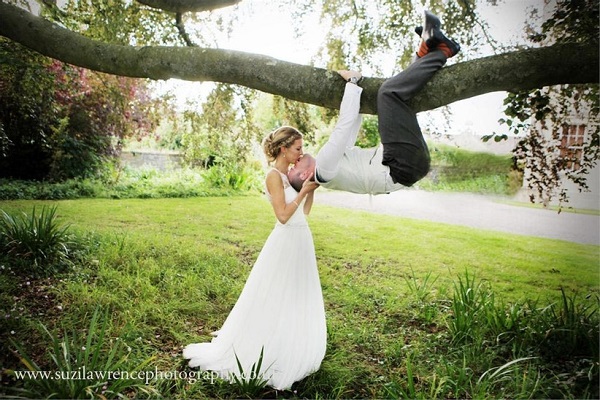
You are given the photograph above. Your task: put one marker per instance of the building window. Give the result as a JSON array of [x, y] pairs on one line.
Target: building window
[[572, 142]]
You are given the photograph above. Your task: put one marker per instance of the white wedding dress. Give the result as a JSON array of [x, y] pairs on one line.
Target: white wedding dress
[[279, 310]]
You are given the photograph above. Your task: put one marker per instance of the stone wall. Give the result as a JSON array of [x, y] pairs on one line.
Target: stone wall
[[159, 160]]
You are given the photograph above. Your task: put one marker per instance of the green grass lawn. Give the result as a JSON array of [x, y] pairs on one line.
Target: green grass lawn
[[169, 271]]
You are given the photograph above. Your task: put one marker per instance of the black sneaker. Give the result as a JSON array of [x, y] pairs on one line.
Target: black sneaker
[[443, 41], [431, 26], [433, 36]]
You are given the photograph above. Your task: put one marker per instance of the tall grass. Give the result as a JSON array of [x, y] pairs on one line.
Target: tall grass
[[88, 365], [487, 359], [251, 383], [35, 243], [471, 302], [566, 327]]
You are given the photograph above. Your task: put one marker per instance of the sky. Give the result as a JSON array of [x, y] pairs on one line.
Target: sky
[[269, 31]]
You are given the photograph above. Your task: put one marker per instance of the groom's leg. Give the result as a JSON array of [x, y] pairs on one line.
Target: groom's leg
[[404, 148]]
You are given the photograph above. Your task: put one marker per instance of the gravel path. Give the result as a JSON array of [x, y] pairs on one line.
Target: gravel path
[[474, 211]]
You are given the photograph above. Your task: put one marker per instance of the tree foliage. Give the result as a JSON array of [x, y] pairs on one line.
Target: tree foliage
[[364, 34], [222, 132], [24, 112], [59, 121]]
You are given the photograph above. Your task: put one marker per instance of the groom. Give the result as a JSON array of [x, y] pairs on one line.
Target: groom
[[403, 157]]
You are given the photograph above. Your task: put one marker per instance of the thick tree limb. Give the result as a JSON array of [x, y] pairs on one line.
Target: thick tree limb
[[180, 6], [519, 70]]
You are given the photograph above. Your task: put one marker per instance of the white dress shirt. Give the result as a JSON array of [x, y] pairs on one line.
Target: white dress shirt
[[340, 165]]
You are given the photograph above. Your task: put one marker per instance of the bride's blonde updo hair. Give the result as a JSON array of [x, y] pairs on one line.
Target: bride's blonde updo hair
[[280, 137]]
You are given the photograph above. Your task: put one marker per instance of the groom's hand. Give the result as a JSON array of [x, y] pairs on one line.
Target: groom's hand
[[349, 74]]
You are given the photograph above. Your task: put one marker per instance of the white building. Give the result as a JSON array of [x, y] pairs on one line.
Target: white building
[[567, 139], [567, 142]]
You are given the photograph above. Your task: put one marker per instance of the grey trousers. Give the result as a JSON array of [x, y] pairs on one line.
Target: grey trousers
[[404, 149]]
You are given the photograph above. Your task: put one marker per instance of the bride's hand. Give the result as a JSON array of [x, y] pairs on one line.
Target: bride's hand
[[309, 185]]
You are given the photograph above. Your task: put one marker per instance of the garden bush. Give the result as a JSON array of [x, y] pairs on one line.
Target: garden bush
[[143, 183], [454, 169]]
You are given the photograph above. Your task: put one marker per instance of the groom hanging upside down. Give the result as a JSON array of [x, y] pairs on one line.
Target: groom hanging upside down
[[403, 157]]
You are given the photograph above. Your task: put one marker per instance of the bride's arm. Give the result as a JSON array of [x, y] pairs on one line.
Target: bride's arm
[[309, 186], [283, 211], [309, 202]]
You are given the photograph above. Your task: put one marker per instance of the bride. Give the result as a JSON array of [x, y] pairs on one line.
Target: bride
[[280, 313]]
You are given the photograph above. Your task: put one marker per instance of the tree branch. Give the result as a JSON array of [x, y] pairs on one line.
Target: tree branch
[[181, 29], [181, 6], [519, 70]]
